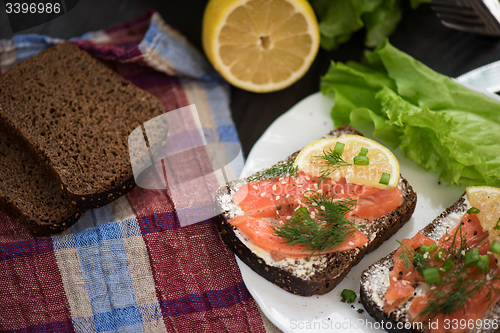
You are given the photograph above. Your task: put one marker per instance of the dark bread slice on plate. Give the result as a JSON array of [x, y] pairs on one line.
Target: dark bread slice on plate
[[74, 114], [28, 196], [375, 281], [322, 273]]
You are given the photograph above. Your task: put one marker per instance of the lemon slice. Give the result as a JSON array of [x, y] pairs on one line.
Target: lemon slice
[[487, 199], [260, 45], [381, 160]]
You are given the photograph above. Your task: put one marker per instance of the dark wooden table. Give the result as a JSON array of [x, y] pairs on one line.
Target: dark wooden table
[[419, 34]]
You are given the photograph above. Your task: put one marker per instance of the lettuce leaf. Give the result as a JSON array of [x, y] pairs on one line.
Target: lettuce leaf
[[438, 123], [339, 19]]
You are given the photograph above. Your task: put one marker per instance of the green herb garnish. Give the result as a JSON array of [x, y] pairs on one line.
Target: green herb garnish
[[495, 247], [331, 162], [473, 210], [457, 249], [454, 291], [471, 258], [456, 287], [348, 295], [440, 254], [339, 148], [432, 275], [413, 258], [326, 231], [279, 170], [385, 178]]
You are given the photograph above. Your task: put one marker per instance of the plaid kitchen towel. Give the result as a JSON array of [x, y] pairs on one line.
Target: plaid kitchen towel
[[130, 266]]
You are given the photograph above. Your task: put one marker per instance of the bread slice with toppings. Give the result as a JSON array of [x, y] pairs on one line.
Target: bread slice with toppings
[[375, 283], [319, 274]]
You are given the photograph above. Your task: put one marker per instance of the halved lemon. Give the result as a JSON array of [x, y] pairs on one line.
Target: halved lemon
[[382, 170], [260, 45], [487, 200]]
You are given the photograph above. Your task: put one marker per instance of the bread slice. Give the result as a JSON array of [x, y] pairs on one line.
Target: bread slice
[[74, 115], [28, 196], [320, 274], [375, 280]]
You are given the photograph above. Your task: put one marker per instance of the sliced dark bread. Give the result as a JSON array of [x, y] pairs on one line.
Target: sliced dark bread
[[375, 282], [74, 114], [320, 274], [27, 195]]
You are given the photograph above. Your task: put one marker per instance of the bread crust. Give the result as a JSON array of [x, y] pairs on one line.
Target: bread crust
[[369, 289], [338, 265]]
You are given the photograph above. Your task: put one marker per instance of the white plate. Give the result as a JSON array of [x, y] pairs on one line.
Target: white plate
[[305, 122]]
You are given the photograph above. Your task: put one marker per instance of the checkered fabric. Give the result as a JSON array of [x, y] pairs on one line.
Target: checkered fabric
[[129, 266]]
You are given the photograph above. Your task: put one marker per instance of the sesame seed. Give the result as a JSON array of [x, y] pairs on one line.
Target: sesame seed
[[322, 207], [263, 194], [320, 191], [283, 183], [255, 187], [394, 279], [299, 185], [351, 243], [315, 185], [287, 196], [288, 217], [300, 203], [274, 187], [277, 197], [307, 177], [463, 252], [408, 274], [404, 282]]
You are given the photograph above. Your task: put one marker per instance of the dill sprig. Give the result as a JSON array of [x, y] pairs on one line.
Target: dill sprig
[[326, 231], [455, 291], [457, 247], [279, 170], [331, 162], [456, 288], [413, 258]]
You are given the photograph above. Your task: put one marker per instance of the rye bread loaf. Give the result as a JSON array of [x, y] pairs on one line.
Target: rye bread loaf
[[28, 196], [375, 280], [74, 115], [320, 274]]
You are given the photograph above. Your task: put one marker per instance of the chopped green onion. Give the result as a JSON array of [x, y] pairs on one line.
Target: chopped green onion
[[471, 258], [432, 275], [495, 247], [427, 249], [439, 254], [363, 151], [497, 226], [384, 179], [483, 264], [301, 213], [339, 148], [447, 266], [361, 160], [473, 210], [348, 295]]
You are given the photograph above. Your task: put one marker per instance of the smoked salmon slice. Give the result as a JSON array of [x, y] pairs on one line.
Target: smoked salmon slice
[[268, 203]]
